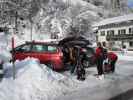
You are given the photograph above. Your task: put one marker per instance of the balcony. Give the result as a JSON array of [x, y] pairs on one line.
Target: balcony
[[119, 37]]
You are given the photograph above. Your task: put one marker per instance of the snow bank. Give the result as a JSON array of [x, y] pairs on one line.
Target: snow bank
[[34, 81]]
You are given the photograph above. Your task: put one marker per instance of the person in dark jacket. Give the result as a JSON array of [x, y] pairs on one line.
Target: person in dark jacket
[[105, 50], [112, 57], [99, 60]]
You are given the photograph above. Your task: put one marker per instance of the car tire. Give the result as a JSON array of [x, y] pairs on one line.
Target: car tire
[[86, 64], [50, 65]]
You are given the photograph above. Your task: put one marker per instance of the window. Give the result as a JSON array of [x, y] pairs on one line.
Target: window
[[110, 32], [52, 48], [119, 32], [131, 44], [39, 48], [102, 33], [26, 48], [130, 30], [23, 48], [44, 48], [123, 31]]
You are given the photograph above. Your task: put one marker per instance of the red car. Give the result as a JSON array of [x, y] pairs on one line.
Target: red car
[[48, 53]]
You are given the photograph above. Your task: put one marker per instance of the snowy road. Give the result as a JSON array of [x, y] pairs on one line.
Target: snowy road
[[35, 81], [128, 95], [113, 85]]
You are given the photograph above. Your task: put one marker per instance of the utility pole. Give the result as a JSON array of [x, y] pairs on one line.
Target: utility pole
[[16, 23], [13, 43], [13, 59]]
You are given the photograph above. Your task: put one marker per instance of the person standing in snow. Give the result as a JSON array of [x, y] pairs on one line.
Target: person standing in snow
[[105, 50], [80, 70], [99, 60], [124, 50], [112, 60]]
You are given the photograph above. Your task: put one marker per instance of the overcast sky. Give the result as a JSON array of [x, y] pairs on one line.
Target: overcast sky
[[130, 3]]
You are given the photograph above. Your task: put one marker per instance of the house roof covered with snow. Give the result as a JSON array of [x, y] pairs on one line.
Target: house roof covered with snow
[[118, 19]]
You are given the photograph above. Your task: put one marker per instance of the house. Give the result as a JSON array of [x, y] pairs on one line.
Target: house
[[116, 31]]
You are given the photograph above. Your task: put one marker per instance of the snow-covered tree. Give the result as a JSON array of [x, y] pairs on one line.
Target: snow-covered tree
[[57, 17]]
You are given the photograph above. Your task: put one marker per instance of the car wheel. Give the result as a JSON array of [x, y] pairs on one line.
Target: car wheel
[[86, 63], [50, 65]]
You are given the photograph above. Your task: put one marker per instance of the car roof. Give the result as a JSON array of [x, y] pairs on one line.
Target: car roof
[[37, 42]]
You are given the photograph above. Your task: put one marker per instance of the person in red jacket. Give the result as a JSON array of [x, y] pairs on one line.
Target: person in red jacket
[[112, 57], [99, 60]]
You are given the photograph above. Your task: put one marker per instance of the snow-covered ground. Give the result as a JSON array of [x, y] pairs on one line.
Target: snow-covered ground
[[114, 83], [34, 81]]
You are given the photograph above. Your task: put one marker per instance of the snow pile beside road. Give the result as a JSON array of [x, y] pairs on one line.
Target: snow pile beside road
[[33, 82]]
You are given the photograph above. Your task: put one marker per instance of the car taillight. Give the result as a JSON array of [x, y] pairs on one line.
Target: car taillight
[[83, 50], [61, 54]]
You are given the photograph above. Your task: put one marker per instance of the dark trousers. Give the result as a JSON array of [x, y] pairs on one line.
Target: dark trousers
[[112, 63], [1, 69], [100, 66], [73, 66]]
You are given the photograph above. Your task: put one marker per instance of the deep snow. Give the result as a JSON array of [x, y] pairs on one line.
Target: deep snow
[[35, 81]]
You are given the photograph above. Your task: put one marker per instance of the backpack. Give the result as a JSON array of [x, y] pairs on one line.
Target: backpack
[[104, 53]]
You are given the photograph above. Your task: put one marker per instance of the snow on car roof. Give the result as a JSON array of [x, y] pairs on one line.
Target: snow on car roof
[[47, 41], [41, 42], [118, 19]]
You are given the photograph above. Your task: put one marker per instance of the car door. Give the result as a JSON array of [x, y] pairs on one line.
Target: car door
[[22, 52]]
